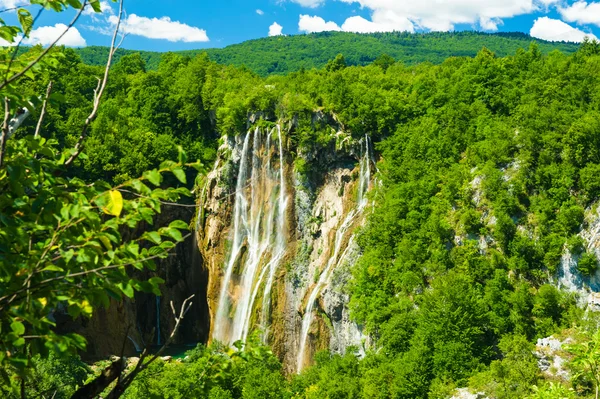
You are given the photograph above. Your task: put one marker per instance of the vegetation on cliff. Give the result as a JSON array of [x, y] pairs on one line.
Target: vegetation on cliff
[[488, 166]]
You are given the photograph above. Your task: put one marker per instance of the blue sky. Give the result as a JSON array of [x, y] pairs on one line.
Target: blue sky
[[163, 25]]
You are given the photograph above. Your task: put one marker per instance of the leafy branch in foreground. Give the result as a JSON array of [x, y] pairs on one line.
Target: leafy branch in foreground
[[62, 244], [66, 243]]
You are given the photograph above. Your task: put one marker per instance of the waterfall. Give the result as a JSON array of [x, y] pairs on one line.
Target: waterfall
[[258, 237], [280, 242], [335, 259], [158, 342]]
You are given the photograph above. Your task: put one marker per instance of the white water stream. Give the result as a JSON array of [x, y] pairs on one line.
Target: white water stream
[[335, 259], [258, 237]]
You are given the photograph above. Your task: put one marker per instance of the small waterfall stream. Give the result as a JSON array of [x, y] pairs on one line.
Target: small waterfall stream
[[335, 259], [158, 341], [258, 236]]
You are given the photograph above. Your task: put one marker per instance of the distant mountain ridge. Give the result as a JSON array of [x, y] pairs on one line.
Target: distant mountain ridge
[[285, 54]]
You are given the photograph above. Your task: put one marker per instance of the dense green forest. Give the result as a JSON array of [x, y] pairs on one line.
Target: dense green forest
[[285, 54], [444, 312], [487, 149]]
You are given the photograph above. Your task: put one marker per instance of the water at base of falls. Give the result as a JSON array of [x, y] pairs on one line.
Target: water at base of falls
[[337, 256], [258, 239]]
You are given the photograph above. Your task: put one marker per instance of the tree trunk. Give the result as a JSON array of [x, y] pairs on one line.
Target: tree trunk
[[98, 385]]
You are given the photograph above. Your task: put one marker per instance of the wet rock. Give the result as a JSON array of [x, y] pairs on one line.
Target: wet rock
[[464, 393]]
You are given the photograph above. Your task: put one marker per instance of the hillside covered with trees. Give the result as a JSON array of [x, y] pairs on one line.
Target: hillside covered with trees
[[285, 54], [443, 310]]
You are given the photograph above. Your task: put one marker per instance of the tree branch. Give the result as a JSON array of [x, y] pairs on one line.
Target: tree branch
[[123, 382], [97, 94], [18, 46], [4, 133], [20, 74], [43, 112]]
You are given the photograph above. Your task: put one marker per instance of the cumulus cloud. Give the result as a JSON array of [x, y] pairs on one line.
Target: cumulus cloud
[[581, 12], [275, 29], [309, 3], [444, 15], [556, 30], [260, 12], [4, 4], [161, 28], [314, 24], [381, 21], [46, 35]]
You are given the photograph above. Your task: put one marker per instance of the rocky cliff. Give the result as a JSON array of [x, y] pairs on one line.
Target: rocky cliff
[[277, 237]]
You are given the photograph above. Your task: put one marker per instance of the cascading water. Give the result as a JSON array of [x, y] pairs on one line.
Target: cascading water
[[158, 342], [335, 259], [258, 242]]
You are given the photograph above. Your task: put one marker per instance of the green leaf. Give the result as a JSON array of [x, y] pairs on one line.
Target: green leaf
[[179, 174], [17, 327], [52, 268], [181, 155], [174, 234], [152, 236], [127, 289], [179, 224], [77, 4], [153, 177], [156, 281], [26, 20], [96, 5]]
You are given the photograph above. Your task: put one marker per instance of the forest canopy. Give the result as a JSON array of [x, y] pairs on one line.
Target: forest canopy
[[285, 54]]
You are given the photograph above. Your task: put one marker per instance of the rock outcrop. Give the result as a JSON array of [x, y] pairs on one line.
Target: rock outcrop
[[319, 201]]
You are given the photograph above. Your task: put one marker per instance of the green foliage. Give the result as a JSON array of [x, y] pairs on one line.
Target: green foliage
[[588, 264], [215, 372], [514, 374], [586, 363], [68, 240], [488, 160], [286, 54], [61, 244]]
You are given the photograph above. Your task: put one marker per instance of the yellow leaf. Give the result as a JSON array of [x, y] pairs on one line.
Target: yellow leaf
[[86, 307], [115, 203], [43, 301]]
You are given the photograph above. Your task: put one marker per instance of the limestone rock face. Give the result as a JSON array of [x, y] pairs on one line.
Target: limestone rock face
[[464, 393], [318, 203], [552, 360], [569, 276]]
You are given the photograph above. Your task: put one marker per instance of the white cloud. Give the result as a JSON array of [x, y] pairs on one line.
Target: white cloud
[[46, 35], [556, 30], [161, 28], [4, 4], [309, 3], [549, 2], [314, 24], [444, 15], [381, 21], [260, 12], [582, 13], [275, 29], [490, 24]]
